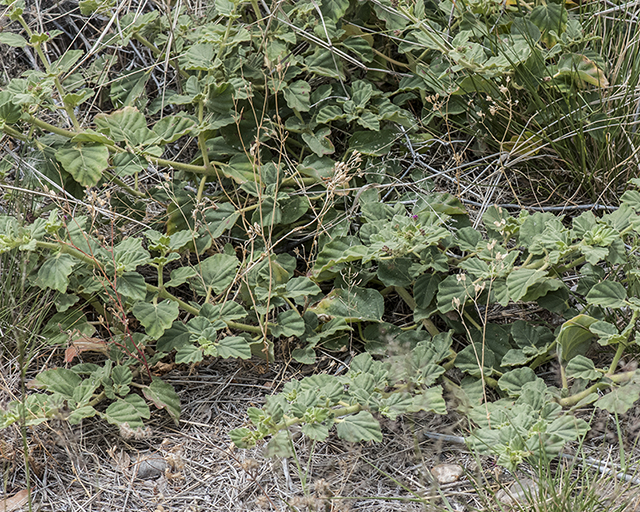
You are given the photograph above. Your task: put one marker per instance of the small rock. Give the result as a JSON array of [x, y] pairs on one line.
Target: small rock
[[518, 492], [447, 473], [149, 465]]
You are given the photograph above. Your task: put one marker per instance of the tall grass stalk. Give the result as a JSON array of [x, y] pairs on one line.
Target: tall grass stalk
[[23, 310]]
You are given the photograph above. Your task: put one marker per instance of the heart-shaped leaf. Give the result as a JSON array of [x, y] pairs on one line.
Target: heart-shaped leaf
[[85, 163]]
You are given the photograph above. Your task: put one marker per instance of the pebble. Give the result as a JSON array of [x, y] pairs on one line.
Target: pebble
[[447, 473], [518, 492], [149, 465]]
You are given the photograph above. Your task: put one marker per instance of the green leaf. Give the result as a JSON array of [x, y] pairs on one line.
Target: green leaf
[[468, 238], [339, 250], [454, 291], [218, 271], [360, 427], [373, 143], [127, 124], [620, 400], [512, 381], [279, 445], [121, 412], [242, 438], [581, 367], [171, 128], [129, 254], [319, 142], [609, 294], [188, 353], [531, 338], [430, 400], [395, 272], [306, 355], [469, 359], [575, 337], [59, 380], [127, 89], [163, 396], [568, 428], [334, 9], [54, 272], [200, 57], [316, 431], [297, 95], [550, 18], [66, 62], [84, 162], [139, 404], [234, 346], [364, 304], [360, 47], [221, 219], [289, 323], [77, 415], [227, 311], [122, 377], [156, 318], [132, 286], [180, 276], [78, 98], [425, 288], [11, 39], [329, 113], [301, 287], [519, 281], [582, 69]]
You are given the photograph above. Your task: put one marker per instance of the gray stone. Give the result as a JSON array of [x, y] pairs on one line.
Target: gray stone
[[518, 492], [447, 473]]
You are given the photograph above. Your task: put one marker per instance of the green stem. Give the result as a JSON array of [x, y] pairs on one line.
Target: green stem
[[14, 133], [471, 319], [410, 301], [618, 378], [47, 66], [621, 346], [568, 266], [159, 54], [112, 177], [223, 43], [68, 108]]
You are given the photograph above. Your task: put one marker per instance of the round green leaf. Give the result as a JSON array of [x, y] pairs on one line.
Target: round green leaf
[[84, 162], [607, 294]]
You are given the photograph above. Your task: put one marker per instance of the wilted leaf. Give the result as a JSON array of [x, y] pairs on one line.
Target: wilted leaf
[[163, 396], [19, 499], [84, 344]]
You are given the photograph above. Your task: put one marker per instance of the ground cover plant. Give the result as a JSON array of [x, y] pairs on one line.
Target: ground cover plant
[[254, 180]]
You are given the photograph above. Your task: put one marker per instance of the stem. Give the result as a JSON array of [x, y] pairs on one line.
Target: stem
[[618, 378], [568, 266], [159, 54], [621, 346], [390, 60], [410, 301], [223, 43]]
